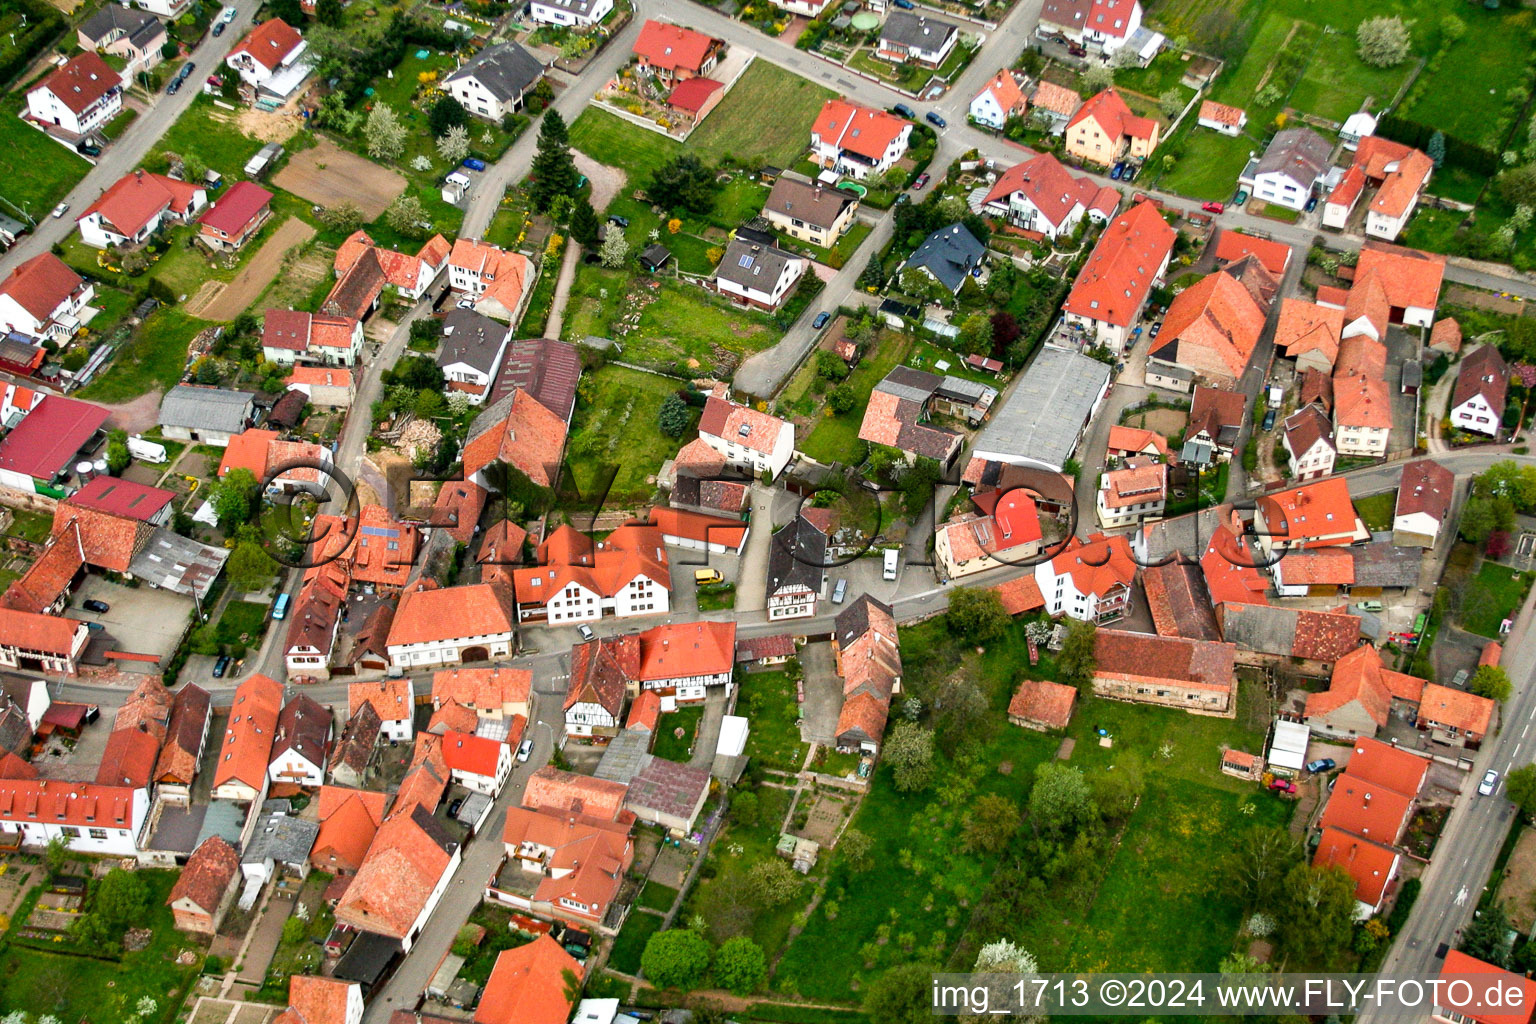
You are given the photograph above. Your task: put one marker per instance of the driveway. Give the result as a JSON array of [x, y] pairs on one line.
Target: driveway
[[268, 933], [823, 694], [142, 620]]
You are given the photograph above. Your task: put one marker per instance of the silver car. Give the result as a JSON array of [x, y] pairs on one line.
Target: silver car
[[1489, 784]]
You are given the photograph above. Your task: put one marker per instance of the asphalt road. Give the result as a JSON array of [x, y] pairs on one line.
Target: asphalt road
[[142, 136]]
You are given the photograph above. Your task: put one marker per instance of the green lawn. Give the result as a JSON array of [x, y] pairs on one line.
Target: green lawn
[[617, 143], [687, 323], [836, 438], [594, 301], [657, 897], [1162, 74], [1378, 510], [35, 171], [637, 931], [1152, 906], [153, 358], [774, 739], [536, 315], [739, 129], [211, 134], [33, 526], [75, 988], [1466, 97], [242, 618], [622, 416], [671, 747], [717, 597], [1493, 595], [1336, 81]]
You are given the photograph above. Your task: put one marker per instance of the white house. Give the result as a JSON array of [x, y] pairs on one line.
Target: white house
[[755, 274], [857, 141], [1219, 117], [496, 281], [168, 9], [797, 575], [42, 298], [910, 37], [1088, 581], [1127, 496], [271, 58], [446, 626], [1424, 497], [1041, 195], [30, 695], [748, 439], [300, 745], [471, 352], [79, 97], [89, 818], [493, 82], [999, 100], [478, 763], [1296, 161], [1309, 443], [575, 13], [685, 660], [393, 700], [289, 335], [1482, 384], [136, 206]]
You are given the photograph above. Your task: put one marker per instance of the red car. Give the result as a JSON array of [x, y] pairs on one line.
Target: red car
[[1213, 207], [1283, 786], [921, 182]]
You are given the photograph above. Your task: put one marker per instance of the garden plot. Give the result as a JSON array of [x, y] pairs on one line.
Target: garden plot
[[327, 175], [225, 301]]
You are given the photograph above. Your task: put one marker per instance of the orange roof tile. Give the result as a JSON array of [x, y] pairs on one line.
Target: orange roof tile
[[1137, 441], [503, 273], [1119, 273], [475, 755], [644, 711], [248, 450], [244, 754], [138, 197], [1098, 566], [1360, 676], [1369, 864], [1212, 327], [484, 689], [673, 48], [687, 649], [319, 1000], [561, 792], [1411, 277], [1020, 595], [1210, 110], [1113, 117], [527, 985], [50, 634], [1049, 186], [1465, 712], [1458, 966], [520, 432], [390, 698], [583, 858], [431, 615], [83, 80], [1306, 327], [1446, 336], [1347, 192], [1232, 246], [1005, 90], [269, 42], [1403, 184], [1201, 664], [1381, 764], [407, 858], [1327, 566], [1134, 486], [1372, 812], [207, 876], [742, 425], [1318, 512], [674, 522], [861, 130], [108, 541], [1040, 700]]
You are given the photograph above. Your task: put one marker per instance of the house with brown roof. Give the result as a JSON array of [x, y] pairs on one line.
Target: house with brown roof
[[1180, 601], [1041, 195], [1424, 498], [314, 999], [1211, 329], [1482, 387], [602, 672], [528, 983], [1088, 580], [246, 751], [748, 440], [1456, 717], [451, 625], [206, 887], [1126, 496], [1042, 705], [402, 877], [578, 580], [1457, 967], [375, 549], [314, 621], [1265, 633], [867, 653], [1215, 418], [1127, 261], [810, 211], [1196, 675], [349, 819], [393, 700], [139, 728], [328, 340], [1104, 131], [1308, 441], [301, 744], [1362, 694], [354, 750], [78, 97], [898, 413], [1317, 514], [185, 740], [42, 298]]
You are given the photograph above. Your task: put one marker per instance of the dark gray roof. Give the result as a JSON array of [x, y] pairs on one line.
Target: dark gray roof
[[625, 755], [655, 255], [303, 725], [472, 339], [506, 70], [817, 206], [917, 30], [913, 385], [1299, 153], [949, 254], [758, 267], [202, 408], [1381, 564], [115, 20], [178, 563], [282, 838], [797, 556]]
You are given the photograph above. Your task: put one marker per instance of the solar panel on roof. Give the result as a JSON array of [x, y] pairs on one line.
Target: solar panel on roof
[[381, 531], [745, 260]]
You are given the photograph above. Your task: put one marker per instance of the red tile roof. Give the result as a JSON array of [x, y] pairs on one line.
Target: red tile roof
[[1493, 651], [122, 497], [1040, 700], [1360, 676], [390, 698], [691, 94], [237, 208], [138, 197], [583, 858], [521, 432], [244, 754], [602, 671], [1098, 566], [1347, 192], [1179, 601], [1458, 966], [85, 79], [269, 42], [1212, 326], [129, 758], [1210, 110], [561, 792], [1005, 90], [503, 273], [1325, 566], [1369, 864], [1113, 117], [458, 507], [207, 876], [863, 716], [475, 755], [1318, 512], [1049, 186], [1445, 336], [672, 47], [1372, 812], [49, 634], [1020, 595], [861, 130], [1403, 184], [321, 376], [1232, 246], [435, 614], [687, 649], [631, 551], [1136, 441], [1200, 664], [1381, 764], [1465, 712], [408, 856], [1119, 274], [318, 1000], [108, 541], [1305, 428], [1411, 277], [673, 522], [1305, 327], [48, 577], [1056, 98], [484, 689], [644, 711], [41, 283], [67, 803], [527, 985], [50, 437], [741, 425]]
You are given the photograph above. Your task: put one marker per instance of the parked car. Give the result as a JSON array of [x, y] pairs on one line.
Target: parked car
[[187, 69], [88, 149], [454, 805], [524, 750], [1131, 170], [95, 626], [905, 197], [1155, 328], [840, 591], [1322, 764], [1116, 171], [935, 120], [821, 320], [221, 666], [922, 181], [474, 163], [1241, 197], [99, 607], [1269, 419], [622, 222], [1489, 784], [1077, 51], [1311, 203], [61, 209], [1283, 786], [905, 111], [218, 28], [905, 5], [228, 15], [174, 87], [586, 632], [1213, 207]]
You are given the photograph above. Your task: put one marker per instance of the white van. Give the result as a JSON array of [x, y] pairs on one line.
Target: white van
[[890, 563]]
